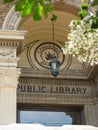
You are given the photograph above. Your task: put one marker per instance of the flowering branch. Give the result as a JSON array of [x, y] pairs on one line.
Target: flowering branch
[[83, 38]]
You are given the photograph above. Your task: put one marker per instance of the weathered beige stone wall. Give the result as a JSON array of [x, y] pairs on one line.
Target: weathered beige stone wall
[[8, 92], [4, 9]]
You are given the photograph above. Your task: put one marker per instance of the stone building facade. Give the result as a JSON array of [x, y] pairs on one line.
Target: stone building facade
[[26, 82]]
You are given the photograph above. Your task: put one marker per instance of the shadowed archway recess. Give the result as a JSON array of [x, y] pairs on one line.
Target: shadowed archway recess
[[42, 31]]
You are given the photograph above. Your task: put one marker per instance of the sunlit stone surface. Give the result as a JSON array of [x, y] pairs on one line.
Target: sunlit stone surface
[[41, 127]]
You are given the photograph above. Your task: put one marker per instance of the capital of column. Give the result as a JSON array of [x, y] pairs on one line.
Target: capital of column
[[8, 56], [10, 47]]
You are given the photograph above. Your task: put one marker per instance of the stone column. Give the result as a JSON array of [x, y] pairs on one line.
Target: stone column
[[10, 48], [91, 109], [90, 115]]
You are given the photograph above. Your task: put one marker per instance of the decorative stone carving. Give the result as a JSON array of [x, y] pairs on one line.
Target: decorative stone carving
[[38, 55], [12, 20], [7, 53]]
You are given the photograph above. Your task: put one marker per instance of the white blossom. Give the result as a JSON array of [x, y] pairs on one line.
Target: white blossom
[[83, 42]]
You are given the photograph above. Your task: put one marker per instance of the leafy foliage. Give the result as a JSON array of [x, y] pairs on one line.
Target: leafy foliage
[[34, 7], [85, 13], [8, 1], [39, 7]]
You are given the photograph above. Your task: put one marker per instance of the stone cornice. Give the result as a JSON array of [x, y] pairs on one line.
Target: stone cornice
[[12, 39], [16, 35], [47, 74], [55, 81]]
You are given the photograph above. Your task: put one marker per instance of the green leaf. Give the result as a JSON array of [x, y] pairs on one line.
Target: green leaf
[[54, 17], [82, 14], [37, 7], [38, 13], [76, 22], [84, 6], [19, 4], [95, 23], [49, 0], [26, 7], [97, 13], [27, 11], [8, 1], [47, 9]]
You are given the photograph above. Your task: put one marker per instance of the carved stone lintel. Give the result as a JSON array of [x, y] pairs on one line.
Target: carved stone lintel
[[7, 52], [9, 76], [11, 43], [8, 55]]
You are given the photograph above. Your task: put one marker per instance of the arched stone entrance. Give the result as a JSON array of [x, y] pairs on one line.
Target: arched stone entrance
[[36, 84]]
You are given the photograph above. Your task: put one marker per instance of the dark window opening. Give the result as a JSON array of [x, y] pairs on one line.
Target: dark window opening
[[50, 116]]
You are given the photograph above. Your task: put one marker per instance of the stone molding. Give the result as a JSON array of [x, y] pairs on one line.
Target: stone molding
[[54, 99], [11, 42], [12, 35], [10, 49], [53, 81], [6, 53], [12, 20]]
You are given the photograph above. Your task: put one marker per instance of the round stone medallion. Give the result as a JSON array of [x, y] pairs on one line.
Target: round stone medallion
[[46, 51], [39, 55]]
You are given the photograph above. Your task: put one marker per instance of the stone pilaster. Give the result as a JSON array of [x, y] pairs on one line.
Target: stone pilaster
[[10, 47], [8, 86], [90, 115], [91, 110]]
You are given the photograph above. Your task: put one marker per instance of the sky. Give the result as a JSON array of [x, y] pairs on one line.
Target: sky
[[45, 118]]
